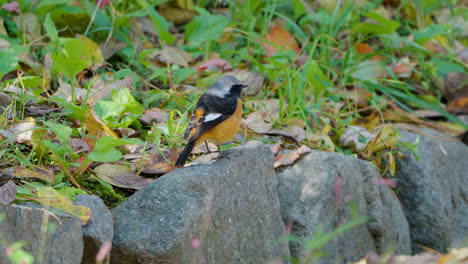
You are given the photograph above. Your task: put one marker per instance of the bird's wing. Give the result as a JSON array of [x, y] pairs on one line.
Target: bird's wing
[[209, 113]]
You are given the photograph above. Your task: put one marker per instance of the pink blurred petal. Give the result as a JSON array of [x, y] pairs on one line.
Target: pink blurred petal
[[338, 188], [104, 251], [12, 7], [103, 3], [195, 243], [215, 64], [385, 182]]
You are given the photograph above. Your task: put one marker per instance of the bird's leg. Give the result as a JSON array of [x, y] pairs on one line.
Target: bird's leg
[[219, 151], [207, 148]]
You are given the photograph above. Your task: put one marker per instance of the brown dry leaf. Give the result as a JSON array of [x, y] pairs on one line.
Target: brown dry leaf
[[173, 55], [47, 196], [36, 110], [79, 145], [268, 107], [64, 91], [256, 122], [291, 157], [369, 122], [404, 68], [360, 96], [275, 148], [296, 133], [155, 115], [280, 38], [254, 80], [7, 192], [364, 48], [176, 14], [157, 163], [28, 24], [111, 47], [121, 176], [37, 172], [23, 131], [96, 128]]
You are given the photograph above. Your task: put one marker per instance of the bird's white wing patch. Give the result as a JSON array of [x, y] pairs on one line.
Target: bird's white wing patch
[[211, 116]]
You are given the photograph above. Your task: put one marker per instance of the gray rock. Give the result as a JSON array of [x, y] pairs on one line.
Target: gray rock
[[62, 241], [434, 191], [226, 212], [99, 229], [316, 193]]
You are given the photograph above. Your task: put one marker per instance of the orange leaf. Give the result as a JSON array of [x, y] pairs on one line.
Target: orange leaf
[[279, 37]]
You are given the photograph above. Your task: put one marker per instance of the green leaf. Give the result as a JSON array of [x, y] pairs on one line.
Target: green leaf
[[445, 67], [382, 26], [68, 60], [121, 102], [206, 28], [423, 35], [181, 75], [31, 81], [50, 29], [63, 132], [9, 60], [160, 24], [316, 78], [105, 150]]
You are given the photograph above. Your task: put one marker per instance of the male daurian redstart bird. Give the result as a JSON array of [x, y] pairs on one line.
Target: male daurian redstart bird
[[217, 116]]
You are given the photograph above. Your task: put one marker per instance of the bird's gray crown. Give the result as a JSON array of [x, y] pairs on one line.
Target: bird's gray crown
[[223, 85]]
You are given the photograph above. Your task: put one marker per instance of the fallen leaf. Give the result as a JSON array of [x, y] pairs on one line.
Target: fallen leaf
[[275, 148], [278, 39], [404, 68], [364, 48], [296, 133], [126, 132], [254, 80], [36, 110], [112, 47], [173, 55], [64, 91], [37, 172], [256, 122], [155, 115], [291, 156], [29, 25], [385, 138], [48, 196], [357, 135], [79, 145], [96, 128], [23, 131], [215, 65], [369, 70], [369, 122], [121, 176], [176, 14], [7, 192], [268, 107], [158, 164]]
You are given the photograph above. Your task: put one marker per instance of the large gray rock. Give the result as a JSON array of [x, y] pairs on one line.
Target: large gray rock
[[226, 212], [53, 237], [316, 193], [99, 228], [434, 191]]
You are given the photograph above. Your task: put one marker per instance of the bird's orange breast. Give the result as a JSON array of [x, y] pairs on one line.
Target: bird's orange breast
[[224, 131]]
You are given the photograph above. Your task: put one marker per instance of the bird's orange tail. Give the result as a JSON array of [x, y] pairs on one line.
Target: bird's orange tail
[[185, 153]]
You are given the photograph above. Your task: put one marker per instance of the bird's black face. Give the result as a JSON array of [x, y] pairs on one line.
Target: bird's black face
[[236, 89]]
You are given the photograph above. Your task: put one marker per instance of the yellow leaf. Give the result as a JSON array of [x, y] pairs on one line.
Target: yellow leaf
[[391, 163], [96, 128], [50, 197], [385, 139]]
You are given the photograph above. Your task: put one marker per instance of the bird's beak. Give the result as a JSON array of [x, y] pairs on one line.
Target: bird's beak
[[244, 86]]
